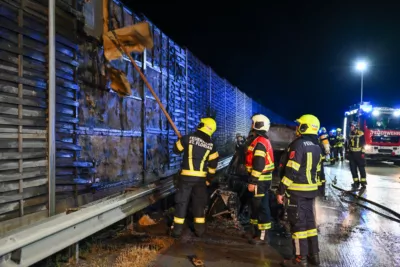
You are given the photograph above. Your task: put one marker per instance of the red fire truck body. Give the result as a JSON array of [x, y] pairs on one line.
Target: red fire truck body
[[381, 127]]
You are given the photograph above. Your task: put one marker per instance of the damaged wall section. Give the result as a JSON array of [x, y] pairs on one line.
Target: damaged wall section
[[187, 88]]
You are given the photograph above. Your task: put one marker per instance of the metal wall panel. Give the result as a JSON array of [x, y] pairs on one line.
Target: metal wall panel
[[23, 112], [23, 134], [198, 91], [230, 111], [241, 113]]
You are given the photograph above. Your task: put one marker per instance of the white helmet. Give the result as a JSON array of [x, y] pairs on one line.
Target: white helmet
[[260, 123]]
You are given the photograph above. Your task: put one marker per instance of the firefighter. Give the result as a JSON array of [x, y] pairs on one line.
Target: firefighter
[[259, 165], [355, 149], [332, 142], [323, 138], [321, 174], [332, 138], [236, 166], [200, 160], [339, 145], [299, 188], [240, 141]]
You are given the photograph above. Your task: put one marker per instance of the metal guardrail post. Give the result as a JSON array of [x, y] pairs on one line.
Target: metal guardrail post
[[52, 109]]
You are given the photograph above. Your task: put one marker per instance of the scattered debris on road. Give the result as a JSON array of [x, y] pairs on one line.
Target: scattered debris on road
[[196, 262], [130, 247], [145, 220]]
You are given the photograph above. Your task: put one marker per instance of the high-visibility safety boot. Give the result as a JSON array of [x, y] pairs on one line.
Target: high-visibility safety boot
[[176, 230], [355, 185], [314, 259], [261, 238], [250, 233]]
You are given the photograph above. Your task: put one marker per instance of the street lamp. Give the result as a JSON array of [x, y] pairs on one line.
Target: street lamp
[[361, 66]]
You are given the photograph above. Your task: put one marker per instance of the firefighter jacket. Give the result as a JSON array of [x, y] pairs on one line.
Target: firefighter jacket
[[200, 158], [320, 169], [356, 141], [323, 138], [332, 140], [283, 160], [339, 141], [260, 160], [301, 169]]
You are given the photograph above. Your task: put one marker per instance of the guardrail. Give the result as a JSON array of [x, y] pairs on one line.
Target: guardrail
[[28, 245]]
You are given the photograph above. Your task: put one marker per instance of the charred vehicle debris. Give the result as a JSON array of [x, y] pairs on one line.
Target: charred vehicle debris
[[230, 195]]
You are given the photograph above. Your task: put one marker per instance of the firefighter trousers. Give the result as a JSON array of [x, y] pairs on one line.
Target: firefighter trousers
[[357, 163], [260, 211], [322, 187], [338, 153], [321, 181], [195, 189], [301, 216]]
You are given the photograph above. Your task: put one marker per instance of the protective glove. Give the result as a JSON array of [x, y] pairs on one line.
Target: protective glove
[[208, 181], [251, 187], [279, 199]]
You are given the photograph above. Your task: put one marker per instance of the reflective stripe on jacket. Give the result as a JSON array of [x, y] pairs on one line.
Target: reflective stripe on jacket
[[260, 160]]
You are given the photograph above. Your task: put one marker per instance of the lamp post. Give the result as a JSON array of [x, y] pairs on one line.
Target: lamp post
[[361, 66]]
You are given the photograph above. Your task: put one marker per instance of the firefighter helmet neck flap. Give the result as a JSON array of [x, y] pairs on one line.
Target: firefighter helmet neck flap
[[260, 123], [207, 126], [307, 124]]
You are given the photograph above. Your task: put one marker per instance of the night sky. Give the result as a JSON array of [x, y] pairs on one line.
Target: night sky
[[299, 54]]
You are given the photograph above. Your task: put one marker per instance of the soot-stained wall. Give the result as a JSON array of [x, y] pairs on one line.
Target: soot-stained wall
[[188, 89]]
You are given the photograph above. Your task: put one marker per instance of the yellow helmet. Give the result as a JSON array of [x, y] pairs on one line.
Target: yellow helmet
[[207, 126], [338, 130], [308, 124], [260, 123]]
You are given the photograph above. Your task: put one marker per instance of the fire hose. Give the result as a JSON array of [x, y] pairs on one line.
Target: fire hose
[[347, 192]]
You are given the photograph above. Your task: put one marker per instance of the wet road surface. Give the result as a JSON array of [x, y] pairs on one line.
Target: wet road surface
[[348, 234]]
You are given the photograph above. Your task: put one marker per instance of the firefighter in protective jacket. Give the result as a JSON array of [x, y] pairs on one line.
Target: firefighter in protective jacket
[[332, 138], [259, 165], [321, 174], [339, 145], [324, 139], [200, 160], [332, 142], [355, 149], [299, 185]]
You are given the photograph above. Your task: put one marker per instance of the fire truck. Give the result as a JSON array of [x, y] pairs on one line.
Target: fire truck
[[381, 127]]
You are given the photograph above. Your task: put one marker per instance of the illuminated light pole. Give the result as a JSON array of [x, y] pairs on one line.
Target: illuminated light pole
[[361, 66]]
